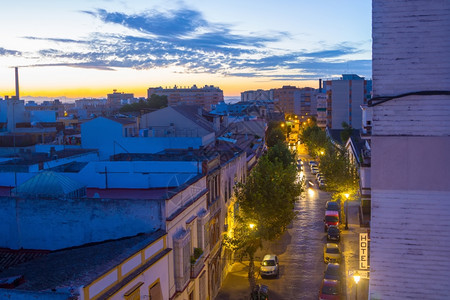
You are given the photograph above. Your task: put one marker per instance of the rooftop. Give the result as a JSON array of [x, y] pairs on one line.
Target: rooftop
[[78, 266]]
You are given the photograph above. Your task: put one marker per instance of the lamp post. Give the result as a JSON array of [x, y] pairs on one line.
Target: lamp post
[[356, 277], [346, 210]]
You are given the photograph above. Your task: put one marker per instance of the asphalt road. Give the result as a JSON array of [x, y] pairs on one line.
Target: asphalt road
[[300, 252]]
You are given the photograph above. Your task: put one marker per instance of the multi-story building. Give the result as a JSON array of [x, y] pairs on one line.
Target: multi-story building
[[344, 98], [207, 96], [116, 99], [259, 94], [410, 146], [297, 101], [321, 100]]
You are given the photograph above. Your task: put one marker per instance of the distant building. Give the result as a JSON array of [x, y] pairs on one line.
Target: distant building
[[297, 101], [116, 99], [257, 95], [321, 104], [207, 96], [344, 98]]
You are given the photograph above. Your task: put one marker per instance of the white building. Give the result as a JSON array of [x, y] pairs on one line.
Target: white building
[[344, 98], [410, 177]]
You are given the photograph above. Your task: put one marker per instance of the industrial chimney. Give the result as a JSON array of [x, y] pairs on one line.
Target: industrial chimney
[[320, 85], [17, 83]]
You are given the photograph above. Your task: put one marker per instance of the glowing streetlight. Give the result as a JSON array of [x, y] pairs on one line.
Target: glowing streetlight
[[251, 225], [346, 210], [356, 278], [322, 152]]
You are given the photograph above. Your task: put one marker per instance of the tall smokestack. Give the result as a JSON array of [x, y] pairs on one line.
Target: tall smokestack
[[320, 85], [17, 83]]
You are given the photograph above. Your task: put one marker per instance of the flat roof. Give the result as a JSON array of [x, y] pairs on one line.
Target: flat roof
[[78, 266]]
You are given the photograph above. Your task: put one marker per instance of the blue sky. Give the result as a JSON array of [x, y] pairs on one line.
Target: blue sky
[[86, 48]]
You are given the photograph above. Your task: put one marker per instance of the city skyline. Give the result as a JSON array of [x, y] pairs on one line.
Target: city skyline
[[88, 48]]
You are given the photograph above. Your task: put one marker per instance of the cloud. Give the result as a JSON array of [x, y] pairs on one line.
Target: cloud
[[6, 52], [184, 38]]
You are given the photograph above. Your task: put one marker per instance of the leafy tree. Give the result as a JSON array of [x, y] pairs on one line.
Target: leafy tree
[[154, 102], [275, 136], [280, 152], [266, 200], [315, 139], [346, 133]]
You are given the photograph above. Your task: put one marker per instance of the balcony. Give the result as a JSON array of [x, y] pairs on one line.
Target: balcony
[[197, 266]]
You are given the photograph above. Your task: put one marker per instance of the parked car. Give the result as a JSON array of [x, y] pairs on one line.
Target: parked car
[[331, 219], [322, 182], [332, 205], [333, 234], [260, 292], [270, 266], [313, 162], [331, 253], [330, 289], [333, 271], [314, 170]]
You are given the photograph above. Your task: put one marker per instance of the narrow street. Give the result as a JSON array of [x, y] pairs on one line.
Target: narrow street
[[300, 252]]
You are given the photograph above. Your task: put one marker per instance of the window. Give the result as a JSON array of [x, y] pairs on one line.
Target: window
[[155, 292]]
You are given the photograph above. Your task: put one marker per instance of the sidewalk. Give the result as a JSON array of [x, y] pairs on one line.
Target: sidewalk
[[350, 253]]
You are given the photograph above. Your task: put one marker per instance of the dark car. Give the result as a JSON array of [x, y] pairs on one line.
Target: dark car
[[333, 271], [330, 289], [333, 234], [332, 205], [260, 292]]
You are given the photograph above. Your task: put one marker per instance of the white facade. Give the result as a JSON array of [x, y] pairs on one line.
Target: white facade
[[410, 150], [111, 138]]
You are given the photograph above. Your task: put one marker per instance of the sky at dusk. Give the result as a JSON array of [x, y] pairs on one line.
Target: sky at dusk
[[87, 48]]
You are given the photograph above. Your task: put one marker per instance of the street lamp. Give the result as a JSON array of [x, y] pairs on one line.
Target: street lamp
[[356, 277], [346, 210], [251, 225]]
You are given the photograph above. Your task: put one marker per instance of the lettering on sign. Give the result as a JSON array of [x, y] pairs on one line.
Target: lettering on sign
[[363, 249]]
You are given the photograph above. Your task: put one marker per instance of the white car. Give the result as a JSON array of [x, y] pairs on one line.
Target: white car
[[270, 266]]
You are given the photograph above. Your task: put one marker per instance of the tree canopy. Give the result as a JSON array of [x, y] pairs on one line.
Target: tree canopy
[[154, 102]]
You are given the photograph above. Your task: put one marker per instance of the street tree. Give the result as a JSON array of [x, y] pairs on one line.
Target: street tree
[[275, 136], [265, 200], [152, 103]]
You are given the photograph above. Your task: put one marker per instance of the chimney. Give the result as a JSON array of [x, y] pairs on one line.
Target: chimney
[[17, 83], [320, 85]]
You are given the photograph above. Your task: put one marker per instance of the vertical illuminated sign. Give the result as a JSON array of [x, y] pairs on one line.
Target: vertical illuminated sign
[[363, 249]]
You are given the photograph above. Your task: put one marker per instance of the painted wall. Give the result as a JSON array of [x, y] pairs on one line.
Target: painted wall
[[410, 150], [107, 136], [54, 224], [340, 94]]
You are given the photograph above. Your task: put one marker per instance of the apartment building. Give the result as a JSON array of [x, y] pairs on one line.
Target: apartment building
[[262, 95], [410, 146], [344, 98], [207, 96], [297, 101]]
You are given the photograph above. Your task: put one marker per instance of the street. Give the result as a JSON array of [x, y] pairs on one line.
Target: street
[[300, 251]]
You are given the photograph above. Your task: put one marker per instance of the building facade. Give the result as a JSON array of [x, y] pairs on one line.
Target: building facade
[[410, 148], [294, 100], [207, 96], [264, 95], [344, 98]]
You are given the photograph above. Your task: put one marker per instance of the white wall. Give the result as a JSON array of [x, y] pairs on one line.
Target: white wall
[[57, 223], [410, 150]]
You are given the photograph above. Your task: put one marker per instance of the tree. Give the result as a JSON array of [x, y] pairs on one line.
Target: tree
[[280, 152], [346, 132], [154, 102], [266, 200], [315, 139]]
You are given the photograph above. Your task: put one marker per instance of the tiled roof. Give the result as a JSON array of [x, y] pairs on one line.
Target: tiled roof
[[10, 257], [191, 112], [78, 266], [48, 183], [123, 121]]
